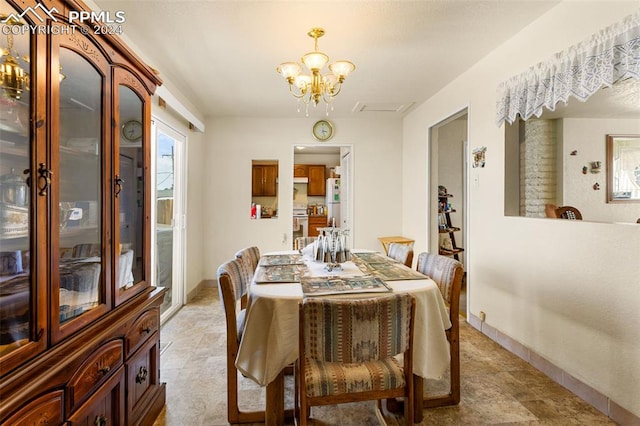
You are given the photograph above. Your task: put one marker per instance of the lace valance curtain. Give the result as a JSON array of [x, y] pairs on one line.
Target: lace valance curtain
[[579, 71]]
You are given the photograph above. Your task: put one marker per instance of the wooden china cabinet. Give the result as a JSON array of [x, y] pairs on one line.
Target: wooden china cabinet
[[79, 318]]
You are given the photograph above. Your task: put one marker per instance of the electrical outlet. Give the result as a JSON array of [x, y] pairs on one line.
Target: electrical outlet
[[483, 316]]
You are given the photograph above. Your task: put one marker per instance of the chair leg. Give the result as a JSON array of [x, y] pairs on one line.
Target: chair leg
[[453, 397], [235, 416]]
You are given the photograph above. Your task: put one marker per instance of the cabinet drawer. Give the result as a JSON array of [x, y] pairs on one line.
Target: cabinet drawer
[[94, 371], [142, 328], [44, 410], [142, 374], [105, 407]]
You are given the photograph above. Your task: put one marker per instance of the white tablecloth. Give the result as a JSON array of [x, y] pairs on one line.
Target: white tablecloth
[[270, 340]]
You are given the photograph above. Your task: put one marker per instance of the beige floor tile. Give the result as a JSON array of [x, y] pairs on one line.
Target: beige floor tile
[[498, 388]]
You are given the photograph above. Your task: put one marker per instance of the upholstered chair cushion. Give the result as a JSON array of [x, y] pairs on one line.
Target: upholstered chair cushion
[[302, 242], [240, 319], [333, 378], [250, 256], [440, 269], [403, 253], [234, 270]]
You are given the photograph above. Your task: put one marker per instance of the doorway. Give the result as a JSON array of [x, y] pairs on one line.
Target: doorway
[[448, 163], [169, 224], [336, 201]]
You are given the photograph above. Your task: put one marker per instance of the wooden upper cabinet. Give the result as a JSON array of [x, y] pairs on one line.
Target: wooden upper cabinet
[[317, 180], [264, 182], [300, 170], [80, 166]]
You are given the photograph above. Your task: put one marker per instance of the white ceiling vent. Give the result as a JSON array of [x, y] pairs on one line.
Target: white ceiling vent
[[394, 107]]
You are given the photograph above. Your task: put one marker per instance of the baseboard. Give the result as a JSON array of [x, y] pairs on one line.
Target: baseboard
[[203, 284], [590, 395]]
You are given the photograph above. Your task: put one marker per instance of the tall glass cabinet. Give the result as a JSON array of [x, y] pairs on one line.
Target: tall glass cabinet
[[79, 319]]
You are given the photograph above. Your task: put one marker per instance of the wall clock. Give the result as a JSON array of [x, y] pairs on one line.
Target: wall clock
[[132, 130], [322, 130]]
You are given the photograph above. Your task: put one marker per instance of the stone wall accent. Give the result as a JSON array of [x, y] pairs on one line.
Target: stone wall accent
[[538, 166]]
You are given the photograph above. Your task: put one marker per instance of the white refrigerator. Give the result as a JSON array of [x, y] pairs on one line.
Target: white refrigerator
[[333, 201]]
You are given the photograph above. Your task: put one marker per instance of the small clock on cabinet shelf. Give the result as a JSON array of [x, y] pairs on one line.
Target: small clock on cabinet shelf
[[132, 130], [322, 130]]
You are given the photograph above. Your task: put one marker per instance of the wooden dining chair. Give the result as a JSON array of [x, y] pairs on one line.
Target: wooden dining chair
[[448, 274], [302, 242], [568, 212], [551, 211], [403, 253], [232, 289], [347, 350]]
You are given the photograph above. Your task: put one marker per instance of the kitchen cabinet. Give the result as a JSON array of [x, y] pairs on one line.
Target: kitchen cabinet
[[316, 222], [75, 233], [317, 180], [264, 182], [300, 170]]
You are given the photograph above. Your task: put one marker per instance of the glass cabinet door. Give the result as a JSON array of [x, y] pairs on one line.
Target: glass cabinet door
[[78, 200], [131, 165], [19, 324]]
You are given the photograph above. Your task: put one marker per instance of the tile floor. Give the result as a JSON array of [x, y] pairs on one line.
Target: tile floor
[[498, 388]]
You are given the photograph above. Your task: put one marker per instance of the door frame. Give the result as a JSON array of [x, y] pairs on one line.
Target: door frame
[[349, 182], [179, 274], [432, 188]]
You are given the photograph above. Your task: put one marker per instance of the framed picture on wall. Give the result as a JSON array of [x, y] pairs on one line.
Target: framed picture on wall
[[623, 168]]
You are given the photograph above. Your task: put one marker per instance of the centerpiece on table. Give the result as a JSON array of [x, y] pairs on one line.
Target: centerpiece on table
[[331, 247]]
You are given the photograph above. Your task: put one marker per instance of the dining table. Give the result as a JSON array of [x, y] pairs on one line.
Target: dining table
[[270, 339]]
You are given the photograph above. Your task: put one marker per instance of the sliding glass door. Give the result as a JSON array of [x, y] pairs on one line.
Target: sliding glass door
[[169, 225]]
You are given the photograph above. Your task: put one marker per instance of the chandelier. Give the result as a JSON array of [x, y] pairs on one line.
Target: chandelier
[[313, 87]]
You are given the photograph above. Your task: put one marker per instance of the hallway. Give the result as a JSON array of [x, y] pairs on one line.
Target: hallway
[[497, 386]]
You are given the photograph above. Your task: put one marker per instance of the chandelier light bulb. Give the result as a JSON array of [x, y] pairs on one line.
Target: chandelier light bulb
[[342, 69], [289, 70], [315, 61]]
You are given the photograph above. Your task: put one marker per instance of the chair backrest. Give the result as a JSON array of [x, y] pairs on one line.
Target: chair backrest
[[356, 330], [569, 212], [302, 242], [403, 253], [231, 284], [550, 210], [249, 256], [447, 273]]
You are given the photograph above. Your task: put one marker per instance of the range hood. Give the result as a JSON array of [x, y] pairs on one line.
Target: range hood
[[300, 180]]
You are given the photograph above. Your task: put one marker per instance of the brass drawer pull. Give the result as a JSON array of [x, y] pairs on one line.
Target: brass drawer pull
[[104, 370], [101, 421]]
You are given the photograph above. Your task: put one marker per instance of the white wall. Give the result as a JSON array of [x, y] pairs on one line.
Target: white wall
[[589, 134], [231, 144], [569, 291]]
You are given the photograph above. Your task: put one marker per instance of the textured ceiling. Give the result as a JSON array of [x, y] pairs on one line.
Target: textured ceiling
[[222, 55]]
